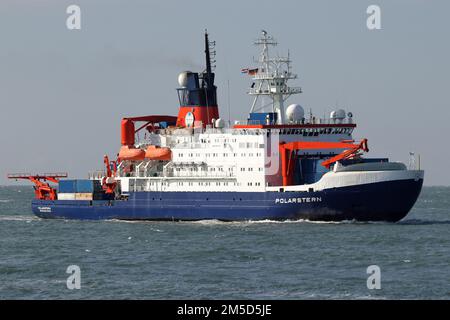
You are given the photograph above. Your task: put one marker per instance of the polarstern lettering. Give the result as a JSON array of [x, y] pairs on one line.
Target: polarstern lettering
[[298, 200]]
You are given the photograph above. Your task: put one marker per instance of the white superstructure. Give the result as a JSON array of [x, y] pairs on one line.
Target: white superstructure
[[245, 157]]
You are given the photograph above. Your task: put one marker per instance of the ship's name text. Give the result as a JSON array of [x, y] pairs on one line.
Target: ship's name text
[[298, 200]]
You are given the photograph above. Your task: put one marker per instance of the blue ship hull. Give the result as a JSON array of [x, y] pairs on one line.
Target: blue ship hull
[[382, 201]]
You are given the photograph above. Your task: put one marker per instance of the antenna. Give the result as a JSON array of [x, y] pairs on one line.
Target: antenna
[[271, 78], [229, 103], [207, 56]]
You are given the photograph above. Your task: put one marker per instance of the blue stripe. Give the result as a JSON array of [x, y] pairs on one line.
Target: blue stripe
[[382, 201]]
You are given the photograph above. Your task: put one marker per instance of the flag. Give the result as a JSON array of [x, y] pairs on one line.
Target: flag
[[250, 72]]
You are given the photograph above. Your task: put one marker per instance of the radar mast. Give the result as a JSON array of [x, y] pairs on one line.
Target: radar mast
[[271, 77]]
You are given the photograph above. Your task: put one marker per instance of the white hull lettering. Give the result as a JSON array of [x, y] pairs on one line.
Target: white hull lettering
[[298, 200]]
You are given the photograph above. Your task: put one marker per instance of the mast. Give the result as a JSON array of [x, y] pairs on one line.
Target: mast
[[271, 78], [208, 75], [207, 54]]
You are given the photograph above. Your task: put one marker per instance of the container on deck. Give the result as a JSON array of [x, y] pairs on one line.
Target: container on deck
[[66, 196], [83, 196], [67, 186], [79, 186]]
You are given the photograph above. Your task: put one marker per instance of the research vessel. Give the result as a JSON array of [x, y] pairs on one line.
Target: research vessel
[[280, 163]]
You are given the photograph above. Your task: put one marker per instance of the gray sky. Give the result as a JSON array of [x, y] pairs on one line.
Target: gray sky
[[63, 93]]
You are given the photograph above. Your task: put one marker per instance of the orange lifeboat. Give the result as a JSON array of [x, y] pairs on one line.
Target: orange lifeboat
[[158, 153], [127, 153]]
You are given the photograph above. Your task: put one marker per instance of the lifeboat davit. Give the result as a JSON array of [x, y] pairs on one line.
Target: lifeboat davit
[[158, 153], [131, 153]]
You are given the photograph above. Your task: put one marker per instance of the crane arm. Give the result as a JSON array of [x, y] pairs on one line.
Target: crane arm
[[287, 152], [42, 189], [349, 153]]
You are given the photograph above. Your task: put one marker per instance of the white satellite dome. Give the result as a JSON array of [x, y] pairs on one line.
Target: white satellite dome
[[295, 113], [183, 78], [220, 123], [338, 115]]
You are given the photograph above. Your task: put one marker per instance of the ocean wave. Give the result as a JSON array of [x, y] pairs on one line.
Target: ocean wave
[[18, 218], [212, 222], [136, 221], [423, 222], [344, 296], [265, 221], [5, 200]]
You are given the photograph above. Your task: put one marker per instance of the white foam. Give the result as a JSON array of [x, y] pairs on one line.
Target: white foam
[[212, 222], [265, 221], [18, 218]]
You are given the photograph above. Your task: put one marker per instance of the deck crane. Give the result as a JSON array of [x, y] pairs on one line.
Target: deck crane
[[42, 189]]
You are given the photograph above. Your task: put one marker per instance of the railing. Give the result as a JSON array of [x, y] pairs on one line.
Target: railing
[[43, 175], [305, 122], [96, 174], [197, 175]]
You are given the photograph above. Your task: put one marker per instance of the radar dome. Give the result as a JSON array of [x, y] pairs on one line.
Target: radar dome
[[220, 123], [183, 78], [338, 114], [295, 113]]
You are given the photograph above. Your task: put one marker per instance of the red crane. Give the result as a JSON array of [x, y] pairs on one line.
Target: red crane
[[109, 184], [288, 155], [42, 190]]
